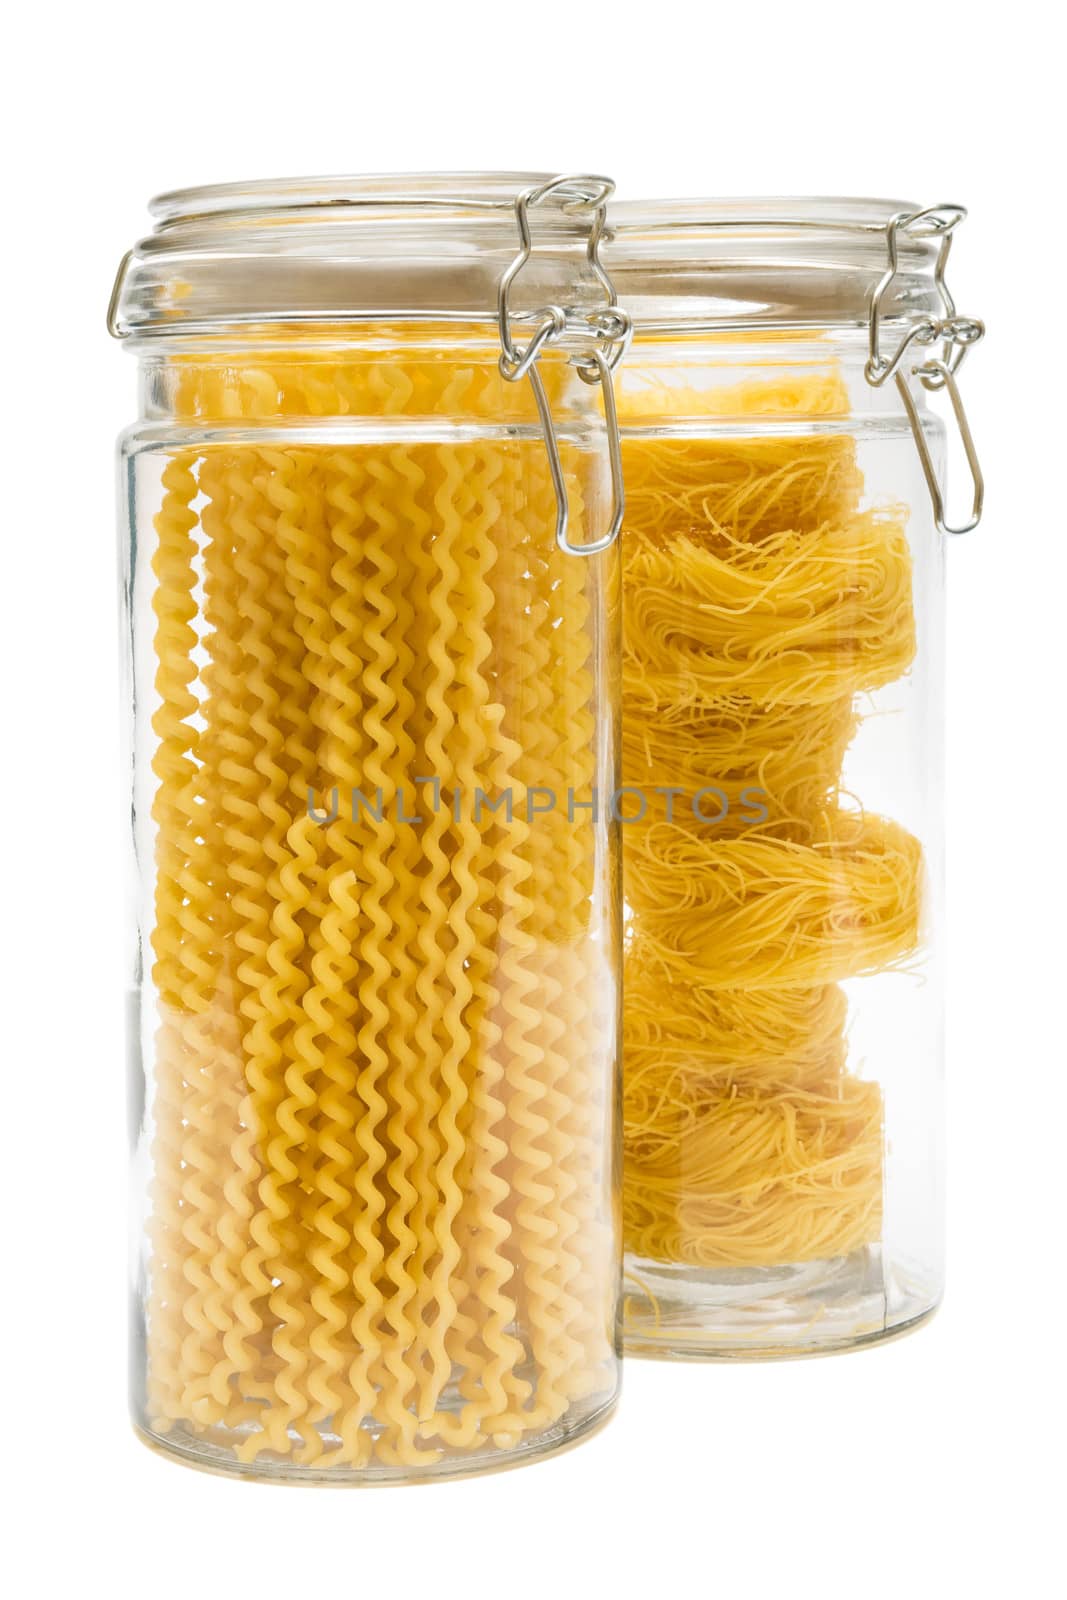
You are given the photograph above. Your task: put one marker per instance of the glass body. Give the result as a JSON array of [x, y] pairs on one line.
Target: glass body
[[782, 714], [377, 953]]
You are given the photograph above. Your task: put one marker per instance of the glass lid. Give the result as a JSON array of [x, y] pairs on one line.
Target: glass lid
[[389, 246], [770, 262]]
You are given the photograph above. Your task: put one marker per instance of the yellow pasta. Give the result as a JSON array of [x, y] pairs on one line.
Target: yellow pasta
[[378, 1190], [760, 603], [745, 488], [799, 617], [736, 760], [756, 913]]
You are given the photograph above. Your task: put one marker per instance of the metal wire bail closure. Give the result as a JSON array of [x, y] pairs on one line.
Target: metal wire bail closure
[[114, 326], [609, 326], [954, 333]]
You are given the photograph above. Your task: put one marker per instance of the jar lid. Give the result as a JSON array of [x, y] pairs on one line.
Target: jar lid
[[417, 246], [771, 263]]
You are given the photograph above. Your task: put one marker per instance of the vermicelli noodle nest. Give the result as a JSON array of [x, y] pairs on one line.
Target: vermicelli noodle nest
[[755, 913], [761, 602]]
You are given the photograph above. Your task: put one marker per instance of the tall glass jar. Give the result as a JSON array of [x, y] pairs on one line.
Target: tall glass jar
[[782, 762], [371, 615]]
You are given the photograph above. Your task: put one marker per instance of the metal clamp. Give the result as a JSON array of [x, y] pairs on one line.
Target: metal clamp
[[114, 326], [609, 326], [954, 334]]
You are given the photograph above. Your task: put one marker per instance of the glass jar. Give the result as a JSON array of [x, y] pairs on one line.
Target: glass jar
[[372, 617], [782, 766]]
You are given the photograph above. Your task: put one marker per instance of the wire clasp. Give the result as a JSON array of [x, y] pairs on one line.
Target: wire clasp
[[954, 334], [609, 326]]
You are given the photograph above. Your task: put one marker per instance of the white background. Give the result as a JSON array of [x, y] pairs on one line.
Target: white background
[[925, 1468]]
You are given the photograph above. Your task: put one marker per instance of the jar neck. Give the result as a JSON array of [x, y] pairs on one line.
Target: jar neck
[[434, 372], [672, 378]]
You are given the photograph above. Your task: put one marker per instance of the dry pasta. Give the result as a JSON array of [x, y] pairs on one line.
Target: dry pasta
[[760, 603], [379, 1223]]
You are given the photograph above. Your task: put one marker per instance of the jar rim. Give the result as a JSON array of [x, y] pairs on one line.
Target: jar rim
[[458, 191], [775, 213]]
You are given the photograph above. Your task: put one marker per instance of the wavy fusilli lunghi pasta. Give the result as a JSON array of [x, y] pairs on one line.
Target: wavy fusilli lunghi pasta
[[381, 1231], [760, 603]]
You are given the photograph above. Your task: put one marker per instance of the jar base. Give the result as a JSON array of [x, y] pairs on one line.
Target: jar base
[[678, 1313], [192, 1449]]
